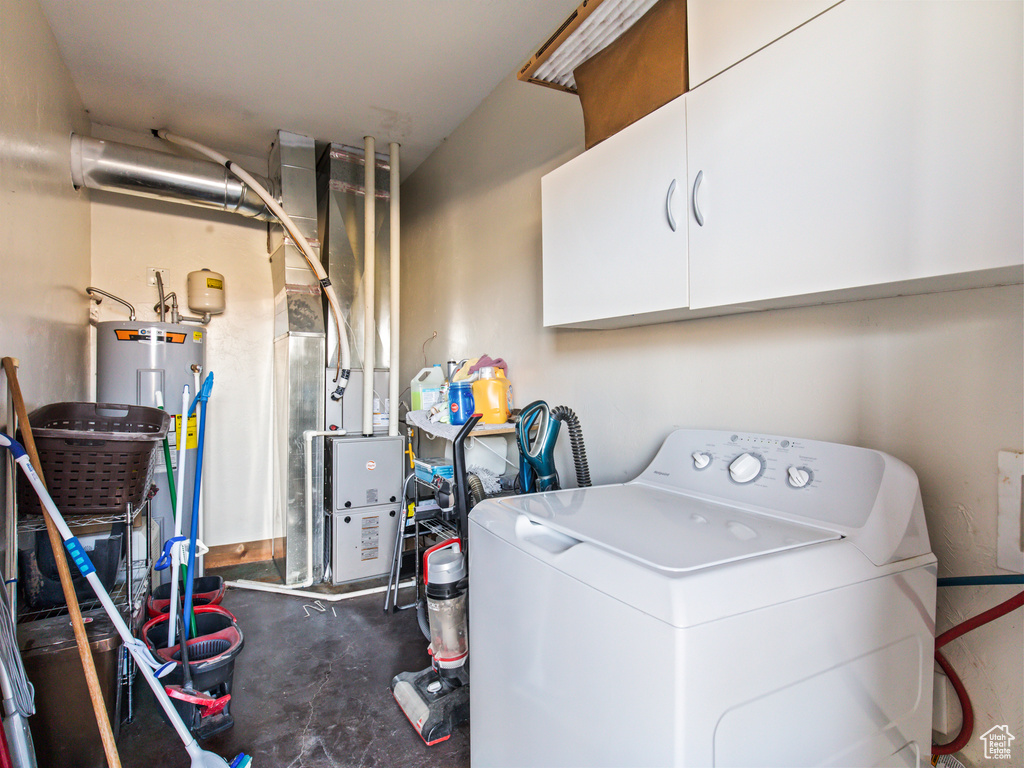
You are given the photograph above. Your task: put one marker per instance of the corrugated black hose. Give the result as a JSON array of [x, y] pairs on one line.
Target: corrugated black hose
[[579, 450]]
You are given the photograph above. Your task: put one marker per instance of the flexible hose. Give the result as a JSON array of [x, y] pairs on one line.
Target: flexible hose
[[476, 490], [344, 358], [421, 618], [579, 450], [967, 728]]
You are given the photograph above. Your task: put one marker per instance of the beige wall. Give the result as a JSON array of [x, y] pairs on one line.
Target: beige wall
[[934, 380], [131, 234], [44, 223]]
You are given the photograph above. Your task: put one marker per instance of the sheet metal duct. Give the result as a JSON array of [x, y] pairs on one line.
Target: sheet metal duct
[[341, 192], [299, 351], [342, 200], [114, 167]]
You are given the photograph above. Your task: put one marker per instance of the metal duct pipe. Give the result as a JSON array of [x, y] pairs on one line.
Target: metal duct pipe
[[114, 167], [393, 392], [369, 265]]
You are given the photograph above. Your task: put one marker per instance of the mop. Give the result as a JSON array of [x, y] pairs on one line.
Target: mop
[[162, 563], [201, 758], [178, 515], [202, 398]]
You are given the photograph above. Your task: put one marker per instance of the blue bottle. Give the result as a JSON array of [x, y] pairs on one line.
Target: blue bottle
[[460, 399]]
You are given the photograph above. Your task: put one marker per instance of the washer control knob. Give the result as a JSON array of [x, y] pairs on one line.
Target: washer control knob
[[745, 468], [799, 477], [701, 460]]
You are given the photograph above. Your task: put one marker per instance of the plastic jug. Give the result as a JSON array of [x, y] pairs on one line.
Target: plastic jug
[[492, 394], [425, 388], [460, 402]]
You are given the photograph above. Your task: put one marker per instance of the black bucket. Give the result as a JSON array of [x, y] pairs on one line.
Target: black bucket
[[211, 662]]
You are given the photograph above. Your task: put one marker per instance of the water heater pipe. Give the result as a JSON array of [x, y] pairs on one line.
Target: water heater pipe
[[344, 359], [393, 391], [369, 265], [113, 167]]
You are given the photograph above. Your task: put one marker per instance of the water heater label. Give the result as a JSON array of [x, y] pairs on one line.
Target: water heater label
[[197, 337], [149, 334], [192, 434]]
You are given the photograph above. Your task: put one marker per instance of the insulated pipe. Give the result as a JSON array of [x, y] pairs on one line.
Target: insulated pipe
[[369, 265], [312, 259], [393, 391], [114, 167]]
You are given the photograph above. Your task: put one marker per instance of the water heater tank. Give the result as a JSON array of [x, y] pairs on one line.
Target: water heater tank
[[135, 360], [206, 292]]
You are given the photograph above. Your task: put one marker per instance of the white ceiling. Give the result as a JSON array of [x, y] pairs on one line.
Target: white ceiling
[[230, 73]]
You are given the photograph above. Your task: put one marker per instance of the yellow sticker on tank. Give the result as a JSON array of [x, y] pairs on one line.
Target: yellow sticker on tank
[[192, 433], [213, 282]]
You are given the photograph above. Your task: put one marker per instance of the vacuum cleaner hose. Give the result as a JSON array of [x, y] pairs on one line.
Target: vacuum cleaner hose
[[579, 450], [476, 490], [421, 618]]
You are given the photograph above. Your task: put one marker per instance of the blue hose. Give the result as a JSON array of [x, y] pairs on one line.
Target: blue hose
[[981, 581], [201, 399]]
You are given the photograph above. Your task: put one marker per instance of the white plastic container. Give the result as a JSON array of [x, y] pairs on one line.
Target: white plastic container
[[425, 388]]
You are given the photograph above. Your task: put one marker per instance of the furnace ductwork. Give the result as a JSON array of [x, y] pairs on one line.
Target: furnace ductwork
[[114, 167]]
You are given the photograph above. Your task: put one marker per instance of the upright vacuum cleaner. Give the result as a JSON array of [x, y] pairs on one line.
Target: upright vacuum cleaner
[[436, 699]]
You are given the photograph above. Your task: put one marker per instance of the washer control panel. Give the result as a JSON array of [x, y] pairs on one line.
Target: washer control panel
[[822, 481]]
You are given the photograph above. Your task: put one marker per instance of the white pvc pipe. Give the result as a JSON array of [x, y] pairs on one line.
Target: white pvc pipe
[[393, 390], [345, 361], [262, 586], [369, 265]]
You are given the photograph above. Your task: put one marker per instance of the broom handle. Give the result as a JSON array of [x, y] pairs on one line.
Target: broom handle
[[57, 544]]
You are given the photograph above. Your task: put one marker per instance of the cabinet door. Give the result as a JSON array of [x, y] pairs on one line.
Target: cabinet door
[[880, 142], [720, 33], [614, 225]]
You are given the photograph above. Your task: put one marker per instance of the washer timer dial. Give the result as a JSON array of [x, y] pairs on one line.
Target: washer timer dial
[[745, 467], [798, 477]]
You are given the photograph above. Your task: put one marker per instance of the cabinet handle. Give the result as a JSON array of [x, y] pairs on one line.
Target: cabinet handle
[[668, 205], [696, 206]]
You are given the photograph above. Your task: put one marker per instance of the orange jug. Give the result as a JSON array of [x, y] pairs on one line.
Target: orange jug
[[492, 393]]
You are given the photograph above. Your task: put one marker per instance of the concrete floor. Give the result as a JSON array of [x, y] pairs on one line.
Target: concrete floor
[[308, 692]]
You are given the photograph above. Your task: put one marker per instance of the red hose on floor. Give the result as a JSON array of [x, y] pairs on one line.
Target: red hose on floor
[[961, 692]]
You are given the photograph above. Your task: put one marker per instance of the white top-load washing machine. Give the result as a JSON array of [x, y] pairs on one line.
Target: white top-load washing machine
[[749, 600]]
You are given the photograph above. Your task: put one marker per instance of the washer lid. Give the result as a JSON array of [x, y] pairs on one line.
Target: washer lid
[[663, 529]]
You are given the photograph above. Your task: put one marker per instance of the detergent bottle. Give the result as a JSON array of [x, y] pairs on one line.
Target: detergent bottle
[[425, 388], [492, 394]]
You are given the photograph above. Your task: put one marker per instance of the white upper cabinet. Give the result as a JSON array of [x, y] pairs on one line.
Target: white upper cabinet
[[875, 150], [720, 33], [614, 226]]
